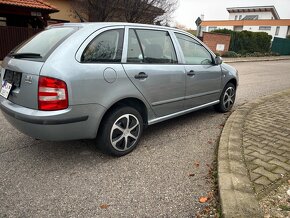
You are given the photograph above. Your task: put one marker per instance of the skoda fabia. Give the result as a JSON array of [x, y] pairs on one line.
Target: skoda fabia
[[109, 81]]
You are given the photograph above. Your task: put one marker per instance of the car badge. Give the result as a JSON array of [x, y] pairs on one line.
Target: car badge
[[28, 79]]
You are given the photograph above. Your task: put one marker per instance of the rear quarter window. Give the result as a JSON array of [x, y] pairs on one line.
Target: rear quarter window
[[105, 47]]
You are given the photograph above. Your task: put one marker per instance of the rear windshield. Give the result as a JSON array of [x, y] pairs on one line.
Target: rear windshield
[[43, 43]]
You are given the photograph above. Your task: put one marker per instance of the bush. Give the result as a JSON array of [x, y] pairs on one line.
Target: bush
[[231, 54], [248, 42], [217, 54]]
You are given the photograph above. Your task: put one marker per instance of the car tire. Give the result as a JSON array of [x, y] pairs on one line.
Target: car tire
[[120, 131], [227, 99]]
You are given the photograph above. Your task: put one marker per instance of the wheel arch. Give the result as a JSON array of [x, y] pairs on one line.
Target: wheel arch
[[233, 81], [133, 102]]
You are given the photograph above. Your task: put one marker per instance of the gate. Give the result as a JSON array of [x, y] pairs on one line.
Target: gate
[[281, 46], [10, 37]]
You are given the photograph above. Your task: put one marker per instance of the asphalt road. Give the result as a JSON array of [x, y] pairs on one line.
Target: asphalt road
[[70, 179]]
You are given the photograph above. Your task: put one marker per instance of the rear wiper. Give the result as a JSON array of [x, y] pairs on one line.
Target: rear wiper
[[25, 55]]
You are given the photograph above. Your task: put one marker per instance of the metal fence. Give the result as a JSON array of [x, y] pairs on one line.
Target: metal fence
[[10, 37], [281, 46]]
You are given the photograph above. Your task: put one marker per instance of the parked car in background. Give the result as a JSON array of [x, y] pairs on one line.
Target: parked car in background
[[109, 81]]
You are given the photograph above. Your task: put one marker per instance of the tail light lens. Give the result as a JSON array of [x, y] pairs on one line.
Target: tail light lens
[[52, 94]]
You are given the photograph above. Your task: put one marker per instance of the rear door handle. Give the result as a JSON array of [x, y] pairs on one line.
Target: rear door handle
[[141, 75], [191, 73]]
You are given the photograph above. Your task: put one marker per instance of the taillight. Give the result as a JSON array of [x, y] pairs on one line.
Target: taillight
[[52, 94]]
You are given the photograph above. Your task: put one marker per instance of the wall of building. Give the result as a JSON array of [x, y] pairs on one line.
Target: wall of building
[[66, 11], [262, 15], [210, 28], [217, 42], [282, 32]]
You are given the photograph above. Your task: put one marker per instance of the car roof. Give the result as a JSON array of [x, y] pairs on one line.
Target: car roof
[[108, 24]]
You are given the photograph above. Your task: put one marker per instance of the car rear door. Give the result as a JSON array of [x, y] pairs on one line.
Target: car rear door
[[151, 64], [203, 76]]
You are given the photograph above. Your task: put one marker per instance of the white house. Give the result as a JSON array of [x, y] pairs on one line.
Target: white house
[[255, 19]]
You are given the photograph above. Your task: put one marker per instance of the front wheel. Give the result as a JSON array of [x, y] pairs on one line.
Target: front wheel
[[227, 98], [121, 131]]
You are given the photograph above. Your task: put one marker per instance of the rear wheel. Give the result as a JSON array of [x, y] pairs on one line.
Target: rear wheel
[[121, 131], [227, 98]]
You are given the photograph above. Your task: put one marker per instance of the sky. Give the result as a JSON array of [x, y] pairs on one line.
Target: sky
[[189, 10]]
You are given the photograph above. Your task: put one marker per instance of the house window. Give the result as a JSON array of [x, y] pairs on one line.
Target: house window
[[236, 17], [251, 17], [238, 28], [265, 28], [212, 28], [3, 21], [277, 31], [240, 17]]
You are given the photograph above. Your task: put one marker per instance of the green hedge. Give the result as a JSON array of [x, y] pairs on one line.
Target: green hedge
[[248, 42]]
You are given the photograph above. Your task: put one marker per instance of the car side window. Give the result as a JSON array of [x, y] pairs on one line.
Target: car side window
[[194, 53], [150, 46], [106, 47]]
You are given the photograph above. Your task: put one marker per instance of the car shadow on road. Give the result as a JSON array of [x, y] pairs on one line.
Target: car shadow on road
[[85, 151]]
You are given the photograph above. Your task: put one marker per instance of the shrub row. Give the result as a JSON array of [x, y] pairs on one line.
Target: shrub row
[[248, 42], [233, 54]]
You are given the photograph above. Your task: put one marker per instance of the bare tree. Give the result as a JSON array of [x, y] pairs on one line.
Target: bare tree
[[95, 10], [149, 11], [135, 11], [169, 7]]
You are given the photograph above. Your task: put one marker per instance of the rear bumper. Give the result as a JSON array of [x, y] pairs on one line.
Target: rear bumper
[[75, 122]]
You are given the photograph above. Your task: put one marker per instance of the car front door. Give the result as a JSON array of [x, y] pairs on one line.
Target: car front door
[[152, 65], [203, 76]]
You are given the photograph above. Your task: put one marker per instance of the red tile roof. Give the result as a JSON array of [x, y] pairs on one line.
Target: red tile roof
[[37, 4]]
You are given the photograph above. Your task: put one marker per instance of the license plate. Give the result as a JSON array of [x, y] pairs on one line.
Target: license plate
[[5, 89]]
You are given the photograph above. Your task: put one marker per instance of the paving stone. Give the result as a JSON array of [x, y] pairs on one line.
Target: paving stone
[[261, 156], [287, 155], [251, 166], [258, 187], [285, 148], [254, 176], [283, 134], [281, 164], [264, 164], [248, 151], [280, 170], [249, 158], [262, 171], [278, 157], [260, 150], [276, 150], [263, 181]]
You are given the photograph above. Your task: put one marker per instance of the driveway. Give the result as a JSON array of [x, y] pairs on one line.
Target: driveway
[[41, 179]]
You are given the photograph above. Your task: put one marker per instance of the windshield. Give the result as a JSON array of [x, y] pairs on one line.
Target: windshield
[[43, 43]]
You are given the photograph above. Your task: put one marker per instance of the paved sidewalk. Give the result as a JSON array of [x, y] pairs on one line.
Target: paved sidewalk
[[254, 154], [256, 59]]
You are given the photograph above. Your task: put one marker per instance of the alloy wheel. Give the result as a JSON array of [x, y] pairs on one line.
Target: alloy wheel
[[125, 132], [229, 98]]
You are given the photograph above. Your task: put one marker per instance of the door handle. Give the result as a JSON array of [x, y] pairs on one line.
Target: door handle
[[191, 73], [141, 75]]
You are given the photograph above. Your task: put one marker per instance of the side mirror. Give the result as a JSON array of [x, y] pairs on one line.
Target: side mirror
[[218, 60]]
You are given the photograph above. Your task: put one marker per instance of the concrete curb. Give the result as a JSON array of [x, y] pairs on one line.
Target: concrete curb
[[232, 60], [235, 188], [238, 198]]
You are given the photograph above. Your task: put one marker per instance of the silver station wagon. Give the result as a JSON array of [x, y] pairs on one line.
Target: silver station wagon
[[109, 81]]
